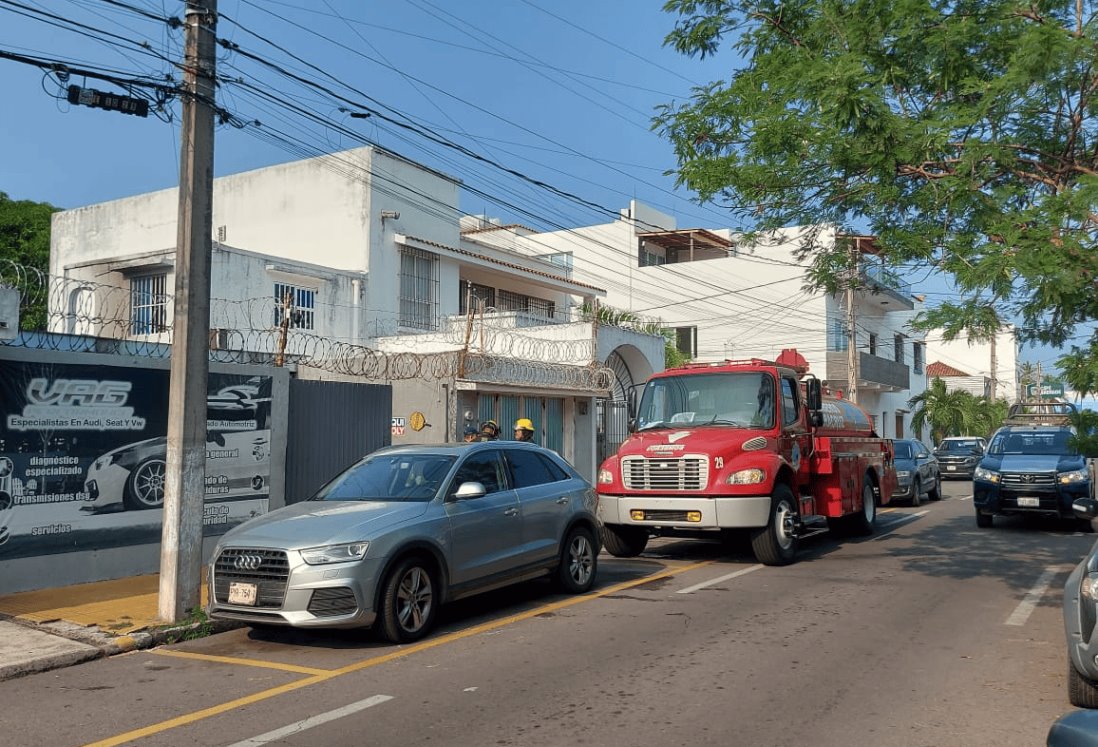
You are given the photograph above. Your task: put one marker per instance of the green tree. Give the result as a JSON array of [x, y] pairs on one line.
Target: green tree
[[25, 243], [961, 134], [955, 413]]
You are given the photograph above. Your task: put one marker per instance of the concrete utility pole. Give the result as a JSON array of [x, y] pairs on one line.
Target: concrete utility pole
[[851, 332], [184, 486]]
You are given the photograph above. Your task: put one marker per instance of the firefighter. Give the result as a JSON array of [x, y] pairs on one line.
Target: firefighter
[[489, 431], [524, 429]]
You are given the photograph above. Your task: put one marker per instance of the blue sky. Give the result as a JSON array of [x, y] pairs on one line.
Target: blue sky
[[560, 91]]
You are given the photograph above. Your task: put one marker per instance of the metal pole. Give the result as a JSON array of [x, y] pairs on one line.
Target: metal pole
[[851, 332], [994, 367], [184, 485]]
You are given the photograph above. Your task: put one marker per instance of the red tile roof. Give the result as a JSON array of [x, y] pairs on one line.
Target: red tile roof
[[939, 369]]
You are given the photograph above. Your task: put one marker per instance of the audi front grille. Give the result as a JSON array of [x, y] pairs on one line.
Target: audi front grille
[[269, 570], [685, 473]]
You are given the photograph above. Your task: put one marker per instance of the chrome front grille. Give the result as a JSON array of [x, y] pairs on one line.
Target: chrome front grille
[[684, 473], [269, 570], [1024, 480]]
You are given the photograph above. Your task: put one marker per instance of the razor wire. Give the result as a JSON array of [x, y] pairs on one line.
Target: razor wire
[[87, 316]]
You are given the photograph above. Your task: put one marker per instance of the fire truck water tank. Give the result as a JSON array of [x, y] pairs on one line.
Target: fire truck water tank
[[844, 418]]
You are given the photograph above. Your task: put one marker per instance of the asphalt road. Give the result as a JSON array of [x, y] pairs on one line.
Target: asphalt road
[[931, 632]]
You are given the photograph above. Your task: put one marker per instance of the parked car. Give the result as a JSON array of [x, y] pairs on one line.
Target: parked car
[[1074, 729], [958, 455], [917, 472], [405, 530], [1080, 603]]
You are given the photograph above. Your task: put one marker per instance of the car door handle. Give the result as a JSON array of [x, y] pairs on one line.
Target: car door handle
[[511, 512], [562, 500]]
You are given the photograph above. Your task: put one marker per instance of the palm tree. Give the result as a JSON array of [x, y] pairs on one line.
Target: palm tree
[[946, 413]]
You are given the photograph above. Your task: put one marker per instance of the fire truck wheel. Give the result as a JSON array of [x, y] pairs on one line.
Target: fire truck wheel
[[624, 542], [776, 543], [917, 494], [862, 523]]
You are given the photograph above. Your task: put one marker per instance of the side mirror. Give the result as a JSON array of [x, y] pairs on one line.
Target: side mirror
[[1085, 508], [632, 425], [631, 400], [469, 490], [816, 418], [813, 395]]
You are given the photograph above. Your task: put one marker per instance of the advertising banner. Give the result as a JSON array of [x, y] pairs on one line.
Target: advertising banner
[[83, 455]]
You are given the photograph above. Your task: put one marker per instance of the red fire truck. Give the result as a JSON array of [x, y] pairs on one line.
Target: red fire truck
[[749, 445]]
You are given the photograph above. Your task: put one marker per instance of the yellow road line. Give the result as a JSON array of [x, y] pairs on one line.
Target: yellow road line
[[241, 661], [190, 718]]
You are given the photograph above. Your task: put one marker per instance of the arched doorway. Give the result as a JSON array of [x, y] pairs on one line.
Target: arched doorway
[[613, 413]]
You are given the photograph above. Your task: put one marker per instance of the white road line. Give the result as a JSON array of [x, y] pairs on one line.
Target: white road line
[[1022, 612], [893, 524], [312, 721], [703, 584]]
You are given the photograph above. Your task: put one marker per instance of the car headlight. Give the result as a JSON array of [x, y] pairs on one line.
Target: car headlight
[[752, 476], [903, 474], [1076, 475], [1089, 587], [335, 553], [105, 461], [605, 477], [986, 475]]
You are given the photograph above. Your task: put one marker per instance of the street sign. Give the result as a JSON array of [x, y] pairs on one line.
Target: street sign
[[1054, 390], [109, 101]]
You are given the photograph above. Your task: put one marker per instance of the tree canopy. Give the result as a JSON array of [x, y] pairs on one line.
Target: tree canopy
[[963, 134], [955, 413], [25, 243]]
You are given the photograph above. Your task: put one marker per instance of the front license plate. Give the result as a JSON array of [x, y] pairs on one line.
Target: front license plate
[[1029, 502], [950, 468], [242, 594]]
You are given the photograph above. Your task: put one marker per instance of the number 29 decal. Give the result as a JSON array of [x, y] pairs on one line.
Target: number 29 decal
[[718, 462]]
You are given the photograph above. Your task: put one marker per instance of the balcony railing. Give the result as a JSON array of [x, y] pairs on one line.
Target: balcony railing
[[872, 370]]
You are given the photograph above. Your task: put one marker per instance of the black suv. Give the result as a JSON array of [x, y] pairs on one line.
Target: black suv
[[959, 455], [1029, 468]]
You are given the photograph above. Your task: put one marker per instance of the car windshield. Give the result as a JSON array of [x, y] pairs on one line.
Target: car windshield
[[903, 450], [1032, 442], [959, 446], [390, 477], [745, 400]]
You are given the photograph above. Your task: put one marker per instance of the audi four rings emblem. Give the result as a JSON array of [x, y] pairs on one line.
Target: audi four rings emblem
[[248, 562]]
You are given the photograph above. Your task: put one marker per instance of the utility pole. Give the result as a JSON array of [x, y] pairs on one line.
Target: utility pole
[[851, 332], [185, 479]]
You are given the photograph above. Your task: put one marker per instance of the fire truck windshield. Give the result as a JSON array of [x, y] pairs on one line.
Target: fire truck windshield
[[744, 400]]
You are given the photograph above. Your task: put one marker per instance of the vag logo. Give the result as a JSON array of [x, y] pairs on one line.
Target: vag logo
[[82, 392]]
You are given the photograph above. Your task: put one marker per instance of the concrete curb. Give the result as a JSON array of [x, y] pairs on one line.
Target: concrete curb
[[100, 644]]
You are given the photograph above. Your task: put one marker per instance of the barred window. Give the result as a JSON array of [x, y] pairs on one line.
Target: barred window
[[484, 297], [298, 302], [540, 307], [418, 289], [148, 304]]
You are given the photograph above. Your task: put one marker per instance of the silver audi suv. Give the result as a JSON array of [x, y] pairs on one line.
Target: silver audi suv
[[405, 530]]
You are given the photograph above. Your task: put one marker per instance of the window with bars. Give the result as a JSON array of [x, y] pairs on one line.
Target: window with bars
[[483, 297], [539, 307], [917, 357], [297, 302], [148, 304], [899, 348], [418, 288]]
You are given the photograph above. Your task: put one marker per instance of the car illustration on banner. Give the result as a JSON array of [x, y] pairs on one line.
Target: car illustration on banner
[[132, 477]]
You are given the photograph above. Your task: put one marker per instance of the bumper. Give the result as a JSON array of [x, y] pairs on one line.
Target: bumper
[[105, 487], [990, 498], [1079, 624], [904, 492], [664, 511], [334, 596], [950, 471]]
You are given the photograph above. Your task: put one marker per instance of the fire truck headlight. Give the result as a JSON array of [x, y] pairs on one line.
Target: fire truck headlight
[[605, 477], [752, 476]]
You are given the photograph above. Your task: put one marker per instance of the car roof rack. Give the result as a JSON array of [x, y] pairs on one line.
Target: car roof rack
[[1040, 413]]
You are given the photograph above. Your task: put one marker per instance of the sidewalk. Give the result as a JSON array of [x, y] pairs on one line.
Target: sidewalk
[[52, 628]]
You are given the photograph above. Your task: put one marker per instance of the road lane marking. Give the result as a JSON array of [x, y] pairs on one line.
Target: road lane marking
[[730, 576], [1022, 612], [309, 723], [241, 661], [898, 521], [232, 705]]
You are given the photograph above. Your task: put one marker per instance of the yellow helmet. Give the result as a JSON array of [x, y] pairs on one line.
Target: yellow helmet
[[524, 424]]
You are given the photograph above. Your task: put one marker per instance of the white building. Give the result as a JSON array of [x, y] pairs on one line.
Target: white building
[[726, 300], [975, 358], [353, 265]]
